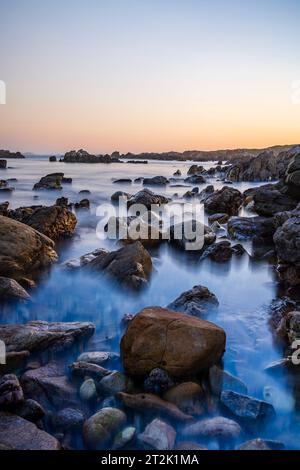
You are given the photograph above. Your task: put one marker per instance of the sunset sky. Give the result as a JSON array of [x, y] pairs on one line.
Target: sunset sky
[[149, 75]]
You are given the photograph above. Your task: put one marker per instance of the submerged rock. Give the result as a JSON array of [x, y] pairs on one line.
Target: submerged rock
[[158, 435], [11, 289], [247, 407], [17, 433], [102, 427], [181, 344], [155, 181], [23, 250], [198, 301], [11, 392]]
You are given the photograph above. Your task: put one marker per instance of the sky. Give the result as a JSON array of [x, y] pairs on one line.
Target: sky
[[149, 75]]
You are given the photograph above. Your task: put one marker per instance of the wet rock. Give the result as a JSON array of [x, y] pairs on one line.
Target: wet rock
[[82, 156], [247, 407], [99, 357], [11, 392], [155, 181], [191, 235], [123, 181], [147, 198], [149, 403], [188, 397], [17, 433], [120, 194], [287, 245], [50, 387], [219, 252], [219, 217], [39, 336], [51, 181], [84, 260], [88, 391], [30, 410], [158, 382], [124, 437], [195, 170], [4, 208], [85, 369], [254, 444], [3, 184], [217, 427], [177, 173], [190, 446], [3, 164], [290, 326], [83, 204], [62, 201], [68, 419], [195, 179], [53, 159], [244, 228], [11, 289], [114, 383], [198, 301], [23, 250], [158, 435], [226, 200], [292, 176], [55, 221], [221, 380], [270, 199], [131, 265], [102, 427], [180, 344]]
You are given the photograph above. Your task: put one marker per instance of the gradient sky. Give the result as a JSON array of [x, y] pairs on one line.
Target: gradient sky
[[148, 75]]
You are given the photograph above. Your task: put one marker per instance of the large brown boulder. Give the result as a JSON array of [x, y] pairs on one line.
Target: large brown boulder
[[23, 250], [180, 344]]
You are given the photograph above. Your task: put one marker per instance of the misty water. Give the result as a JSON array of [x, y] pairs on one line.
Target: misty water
[[243, 286]]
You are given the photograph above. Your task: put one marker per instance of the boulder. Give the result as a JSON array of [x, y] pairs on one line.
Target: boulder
[[219, 252], [254, 444], [131, 266], [181, 344], [287, 244], [198, 301], [11, 392], [3, 164], [195, 179], [68, 419], [30, 409], [114, 383], [11, 289], [147, 198], [246, 407], [100, 429], [221, 380], [221, 218], [124, 437], [120, 194], [195, 170], [83, 204], [217, 427], [51, 181], [52, 159], [226, 200], [191, 235], [188, 396], [244, 228], [82, 156], [4, 208], [99, 357], [88, 391], [158, 381], [155, 181], [85, 369], [23, 250], [272, 198], [17, 433], [55, 221], [158, 435], [8, 154]]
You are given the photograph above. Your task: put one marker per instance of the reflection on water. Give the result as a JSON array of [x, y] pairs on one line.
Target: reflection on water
[[243, 287]]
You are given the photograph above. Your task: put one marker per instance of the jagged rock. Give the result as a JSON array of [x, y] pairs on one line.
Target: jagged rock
[[84, 260], [11, 289], [219, 252], [8, 154], [147, 198], [52, 159], [198, 301], [195, 179], [177, 173], [181, 344], [3, 164], [81, 156], [227, 200], [55, 221], [158, 381], [131, 266], [272, 198], [188, 396], [158, 435], [23, 250], [102, 427], [83, 204], [17, 433], [4, 208], [221, 380], [247, 407], [205, 193]]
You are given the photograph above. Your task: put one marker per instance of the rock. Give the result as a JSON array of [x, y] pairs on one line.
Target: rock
[[157, 382], [270, 199], [102, 427], [198, 301], [3, 184], [292, 176], [226, 200], [195, 170], [51, 181], [17, 433], [188, 396], [177, 173], [85, 191], [83, 204], [149, 403], [99, 357], [85, 369], [290, 326], [287, 245], [190, 446], [39, 336], [254, 444], [81, 156], [68, 419], [123, 181], [11, 392], [219, 252], [120, 194], [158, 435], [11, 289], [217, 427], [246, 407], [191, 235], [88, 391], [180, 344], [244, 228], [84, 260], [55, 221], [30, 410], [131, 266], [221, 380], [195, 179], [23, 250], [219, 217], [3, 164], [114, 383], [62, 201], [124, 437], [53, 159], [8, 154], [50, 387], [4, 208], [147, 198], [155, 181]]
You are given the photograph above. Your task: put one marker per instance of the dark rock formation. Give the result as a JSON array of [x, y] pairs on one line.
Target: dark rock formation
[[198, 301]]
